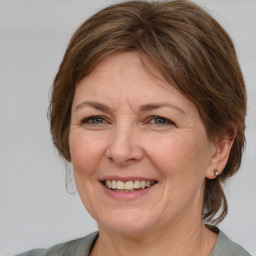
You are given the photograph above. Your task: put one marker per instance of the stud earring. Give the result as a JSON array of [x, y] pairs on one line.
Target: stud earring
[[216, 172]]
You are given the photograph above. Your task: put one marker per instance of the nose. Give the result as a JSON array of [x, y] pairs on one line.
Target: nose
[[125, 146]]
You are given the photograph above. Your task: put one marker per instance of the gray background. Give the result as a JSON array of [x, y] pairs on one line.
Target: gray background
[[35, 209]]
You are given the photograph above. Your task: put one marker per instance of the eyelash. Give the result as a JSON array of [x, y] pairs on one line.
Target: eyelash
[[163, 119], [100, 120], [89, 120]]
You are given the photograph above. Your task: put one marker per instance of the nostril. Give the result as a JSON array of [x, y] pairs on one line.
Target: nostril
[[124, 155]]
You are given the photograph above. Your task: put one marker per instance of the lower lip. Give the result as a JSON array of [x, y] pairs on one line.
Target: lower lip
[[126, 195]]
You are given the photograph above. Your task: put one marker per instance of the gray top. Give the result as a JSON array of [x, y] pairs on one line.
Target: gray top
[[226, 247], [82, 247]]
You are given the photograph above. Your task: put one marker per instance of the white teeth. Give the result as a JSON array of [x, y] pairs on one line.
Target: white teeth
[[113, 184], [136, 184], [109, 184], [120, 184], [128, 185]]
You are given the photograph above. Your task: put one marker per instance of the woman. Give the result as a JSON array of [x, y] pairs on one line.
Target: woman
[[149, 105]]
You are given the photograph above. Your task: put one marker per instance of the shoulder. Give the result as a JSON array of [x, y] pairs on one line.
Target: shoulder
[[79, 246], [226, 247]]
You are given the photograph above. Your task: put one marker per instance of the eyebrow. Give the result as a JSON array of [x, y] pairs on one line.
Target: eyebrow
[[153, 106], [143, 108], [93, 104]]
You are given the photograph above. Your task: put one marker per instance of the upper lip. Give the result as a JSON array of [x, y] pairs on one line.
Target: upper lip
[[124, 179]]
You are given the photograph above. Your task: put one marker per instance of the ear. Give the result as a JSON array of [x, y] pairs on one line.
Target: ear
[[221, 152]]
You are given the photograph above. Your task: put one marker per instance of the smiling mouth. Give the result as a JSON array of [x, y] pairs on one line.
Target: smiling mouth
[[128, 186]]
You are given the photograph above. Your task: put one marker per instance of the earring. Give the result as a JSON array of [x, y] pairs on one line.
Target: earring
[[216, 172]]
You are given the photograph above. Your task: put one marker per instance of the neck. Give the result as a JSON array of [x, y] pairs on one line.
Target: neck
[[186, 240]]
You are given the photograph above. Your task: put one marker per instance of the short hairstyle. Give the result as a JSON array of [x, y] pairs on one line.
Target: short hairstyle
[[190, 49]]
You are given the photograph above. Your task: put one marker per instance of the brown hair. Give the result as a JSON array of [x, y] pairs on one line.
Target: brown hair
[[192, 51]]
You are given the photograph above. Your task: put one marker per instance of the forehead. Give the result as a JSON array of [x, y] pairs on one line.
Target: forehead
[[123, 68], [121, 65], [123, 77]]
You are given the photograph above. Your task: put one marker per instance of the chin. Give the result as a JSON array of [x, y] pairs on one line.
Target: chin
[[127, 223]]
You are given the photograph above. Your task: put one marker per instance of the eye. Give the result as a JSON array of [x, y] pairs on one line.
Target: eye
[[158, 120], [94, 120]]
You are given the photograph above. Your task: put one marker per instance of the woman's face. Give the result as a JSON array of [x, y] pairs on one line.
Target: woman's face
[[132, 131]]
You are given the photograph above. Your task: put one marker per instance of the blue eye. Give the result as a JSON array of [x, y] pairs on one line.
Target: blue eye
[[94, 120], [158, 120]]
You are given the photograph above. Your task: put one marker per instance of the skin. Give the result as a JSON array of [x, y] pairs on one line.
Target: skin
[[126, 139]]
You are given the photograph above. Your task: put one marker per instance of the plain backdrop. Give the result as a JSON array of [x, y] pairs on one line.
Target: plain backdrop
[[35, 209]]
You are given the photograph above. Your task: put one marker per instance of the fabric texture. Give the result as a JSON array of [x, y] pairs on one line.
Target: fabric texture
[[226, 247], [82, 247]]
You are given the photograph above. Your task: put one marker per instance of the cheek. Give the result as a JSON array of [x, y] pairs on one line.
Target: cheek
[[169, 155], [85, 152], [178, 157]]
